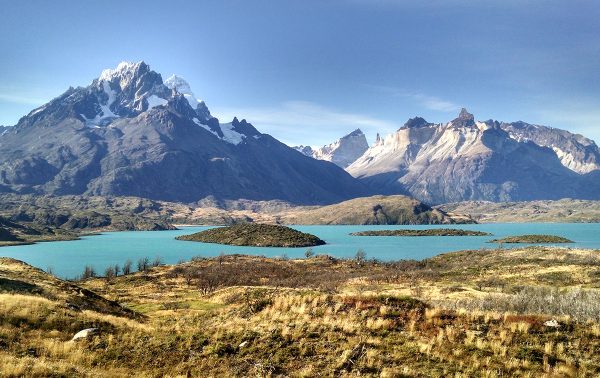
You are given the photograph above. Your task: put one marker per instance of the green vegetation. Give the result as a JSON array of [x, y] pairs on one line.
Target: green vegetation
[[532, 239], [13, 233], [429, 232], [505, 313], [78, 213], [255, 234], [7, 236]]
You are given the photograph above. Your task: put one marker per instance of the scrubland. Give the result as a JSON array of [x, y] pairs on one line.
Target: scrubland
[[490, 313]]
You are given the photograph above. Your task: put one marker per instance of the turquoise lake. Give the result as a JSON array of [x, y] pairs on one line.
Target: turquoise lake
[[67, 259]]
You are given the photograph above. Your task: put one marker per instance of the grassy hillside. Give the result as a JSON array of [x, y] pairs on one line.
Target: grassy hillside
[[256, 235], [521, 312], [19, 278], [372, 210], [565, 210], [132, 213]]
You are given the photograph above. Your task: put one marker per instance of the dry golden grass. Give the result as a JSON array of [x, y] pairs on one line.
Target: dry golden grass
[[375, 320]]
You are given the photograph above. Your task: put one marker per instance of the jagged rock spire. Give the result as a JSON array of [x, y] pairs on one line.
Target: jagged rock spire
[[464, 119], [416, 122]]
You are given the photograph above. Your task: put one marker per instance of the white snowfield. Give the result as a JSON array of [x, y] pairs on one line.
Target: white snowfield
[[229, 134], [181, 86]]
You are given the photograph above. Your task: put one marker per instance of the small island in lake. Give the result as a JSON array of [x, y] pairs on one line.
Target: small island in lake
[[532, 239], [429, 232], [255, 235]]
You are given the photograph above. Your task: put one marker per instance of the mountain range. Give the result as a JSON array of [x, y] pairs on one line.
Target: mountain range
[[342, 152], [466, 159], [131, 133]]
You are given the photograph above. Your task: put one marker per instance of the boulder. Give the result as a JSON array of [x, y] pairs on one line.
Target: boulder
[[85, 333], [552, 323]]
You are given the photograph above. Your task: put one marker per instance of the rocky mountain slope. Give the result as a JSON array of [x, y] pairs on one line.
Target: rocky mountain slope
[[85, 213], [466, 159], [342, 152], [575, 152], [15, 233], [561, 211], [130, 133]]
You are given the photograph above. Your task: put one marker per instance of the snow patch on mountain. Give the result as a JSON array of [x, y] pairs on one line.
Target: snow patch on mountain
[[106, 115], [180, 85], [205, 127], [154, 101], [229, 134], [36, 111]]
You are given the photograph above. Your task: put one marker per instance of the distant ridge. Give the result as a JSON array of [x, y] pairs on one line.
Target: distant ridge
[[465, 159], [342, 152]]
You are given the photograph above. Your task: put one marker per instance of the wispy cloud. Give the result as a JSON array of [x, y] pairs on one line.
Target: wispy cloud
[[434, 103], [303, 122], [426, 101]]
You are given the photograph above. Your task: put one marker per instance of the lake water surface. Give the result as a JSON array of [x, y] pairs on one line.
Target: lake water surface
[[67, 259]]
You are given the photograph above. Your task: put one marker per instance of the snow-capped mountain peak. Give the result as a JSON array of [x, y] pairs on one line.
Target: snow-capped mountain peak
[[128, 133], [124, 91], [342, 152], [179, 84], [124, 72]]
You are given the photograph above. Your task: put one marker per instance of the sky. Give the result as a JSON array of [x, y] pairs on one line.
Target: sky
[[308, 72]]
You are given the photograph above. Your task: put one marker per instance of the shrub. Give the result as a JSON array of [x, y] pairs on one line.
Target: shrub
[[143, 264], [109, 273], [157, 262], [127, 267], [360, 256], [88, 272]]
